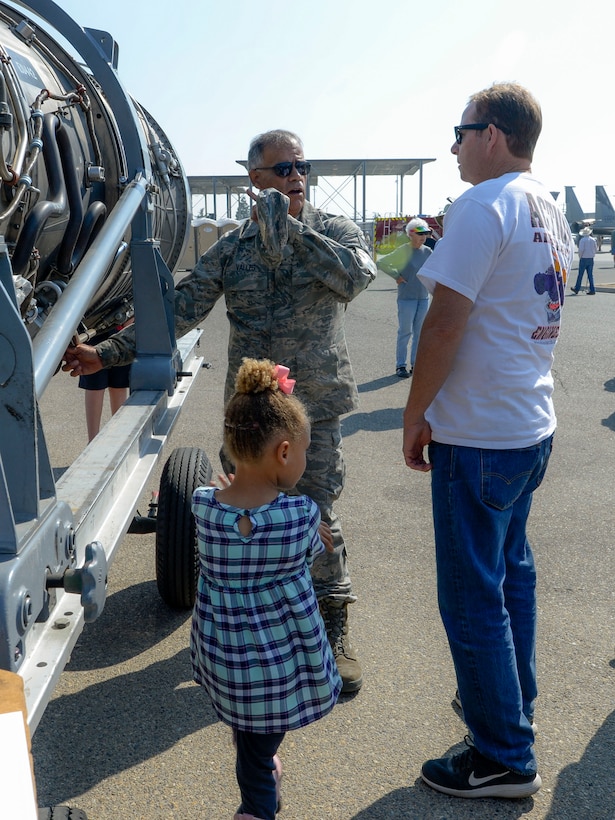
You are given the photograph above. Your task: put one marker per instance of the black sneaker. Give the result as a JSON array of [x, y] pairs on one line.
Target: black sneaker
[[402, 373], [469, 774]]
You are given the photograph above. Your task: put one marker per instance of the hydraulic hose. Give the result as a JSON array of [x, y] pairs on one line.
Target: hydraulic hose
[[75, 204], [42, 211]]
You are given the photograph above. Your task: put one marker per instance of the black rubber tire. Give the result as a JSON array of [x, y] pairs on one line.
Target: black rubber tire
[[61, 813], [177, 557]]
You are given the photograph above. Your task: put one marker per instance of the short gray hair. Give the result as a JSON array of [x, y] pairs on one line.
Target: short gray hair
[[278, 138]]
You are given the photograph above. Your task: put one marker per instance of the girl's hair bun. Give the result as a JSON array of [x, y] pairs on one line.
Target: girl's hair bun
[[256, 376]]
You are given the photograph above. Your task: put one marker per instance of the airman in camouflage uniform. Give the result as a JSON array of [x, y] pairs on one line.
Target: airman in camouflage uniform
[[286, 276]]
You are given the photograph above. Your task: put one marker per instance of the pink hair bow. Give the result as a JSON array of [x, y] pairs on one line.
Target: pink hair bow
[[285, 384]]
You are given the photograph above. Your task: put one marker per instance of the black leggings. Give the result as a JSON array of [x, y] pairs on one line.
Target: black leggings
[[254, 770]]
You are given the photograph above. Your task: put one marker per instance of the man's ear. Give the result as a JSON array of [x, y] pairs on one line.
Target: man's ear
[[495, 135], [254, 178]]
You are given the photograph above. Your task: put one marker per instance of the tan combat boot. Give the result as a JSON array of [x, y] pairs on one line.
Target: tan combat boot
[[335, 617]]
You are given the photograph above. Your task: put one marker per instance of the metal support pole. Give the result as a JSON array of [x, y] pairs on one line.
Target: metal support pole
[[421, 188], [364, 190]]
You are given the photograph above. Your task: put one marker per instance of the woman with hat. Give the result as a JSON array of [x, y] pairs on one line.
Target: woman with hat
[[412, 296]]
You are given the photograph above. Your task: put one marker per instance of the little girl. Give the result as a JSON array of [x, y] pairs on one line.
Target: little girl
[[258, 643]]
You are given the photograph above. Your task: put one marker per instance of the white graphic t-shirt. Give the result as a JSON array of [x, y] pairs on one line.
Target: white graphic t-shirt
[[507, 247]]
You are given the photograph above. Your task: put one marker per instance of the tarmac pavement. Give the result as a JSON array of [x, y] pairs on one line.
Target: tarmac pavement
[[128, 735]]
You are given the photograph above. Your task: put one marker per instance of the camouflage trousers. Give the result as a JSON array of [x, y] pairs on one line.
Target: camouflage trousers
[[323, 481]]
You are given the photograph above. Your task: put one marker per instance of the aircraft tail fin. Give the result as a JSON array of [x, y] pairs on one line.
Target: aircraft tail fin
[[574, 212], [604, 206]]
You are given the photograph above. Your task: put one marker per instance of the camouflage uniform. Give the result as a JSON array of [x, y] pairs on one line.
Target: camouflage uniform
[[286, 283]]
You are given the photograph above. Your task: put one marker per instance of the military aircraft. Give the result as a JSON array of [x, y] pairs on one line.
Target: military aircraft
[[602, 221], [605, 213], [576, 216]]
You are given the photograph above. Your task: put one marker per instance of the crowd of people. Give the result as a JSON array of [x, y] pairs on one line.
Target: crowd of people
[[270, 636]]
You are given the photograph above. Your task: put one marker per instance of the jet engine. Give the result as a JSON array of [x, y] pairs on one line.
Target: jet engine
[[63, 167], [94, 217]]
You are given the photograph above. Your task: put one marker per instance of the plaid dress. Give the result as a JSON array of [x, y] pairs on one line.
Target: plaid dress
[[258, 644]]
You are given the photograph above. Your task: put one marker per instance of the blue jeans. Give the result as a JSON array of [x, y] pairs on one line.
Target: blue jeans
[[487, 590], [410, 317], [586, 264]]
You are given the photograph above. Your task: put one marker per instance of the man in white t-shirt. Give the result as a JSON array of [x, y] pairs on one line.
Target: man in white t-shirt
[[481, 399], [587, 251]]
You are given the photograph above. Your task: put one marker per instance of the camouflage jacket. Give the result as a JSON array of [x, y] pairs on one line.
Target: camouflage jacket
[[286, 283]]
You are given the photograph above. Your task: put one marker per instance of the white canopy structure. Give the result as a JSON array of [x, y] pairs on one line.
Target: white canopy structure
[[351, 170]]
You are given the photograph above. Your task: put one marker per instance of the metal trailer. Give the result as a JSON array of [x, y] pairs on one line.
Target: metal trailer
[[94, 215]]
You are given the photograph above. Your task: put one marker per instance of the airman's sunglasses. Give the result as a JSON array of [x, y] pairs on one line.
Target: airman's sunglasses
[[283, 169]]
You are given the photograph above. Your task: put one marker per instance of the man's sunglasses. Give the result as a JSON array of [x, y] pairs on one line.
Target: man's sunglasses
[[283, 169], [476, 126]]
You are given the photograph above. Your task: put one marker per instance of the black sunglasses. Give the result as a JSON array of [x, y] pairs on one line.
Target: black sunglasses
[[283, 169], [476, 126]]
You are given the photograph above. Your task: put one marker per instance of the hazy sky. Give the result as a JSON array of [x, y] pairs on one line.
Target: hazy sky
[[360, 79]]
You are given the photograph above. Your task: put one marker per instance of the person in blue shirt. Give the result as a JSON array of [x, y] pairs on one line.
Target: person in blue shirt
[[412, 296]]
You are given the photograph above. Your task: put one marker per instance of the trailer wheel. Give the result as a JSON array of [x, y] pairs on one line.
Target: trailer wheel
[[177, 558]]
